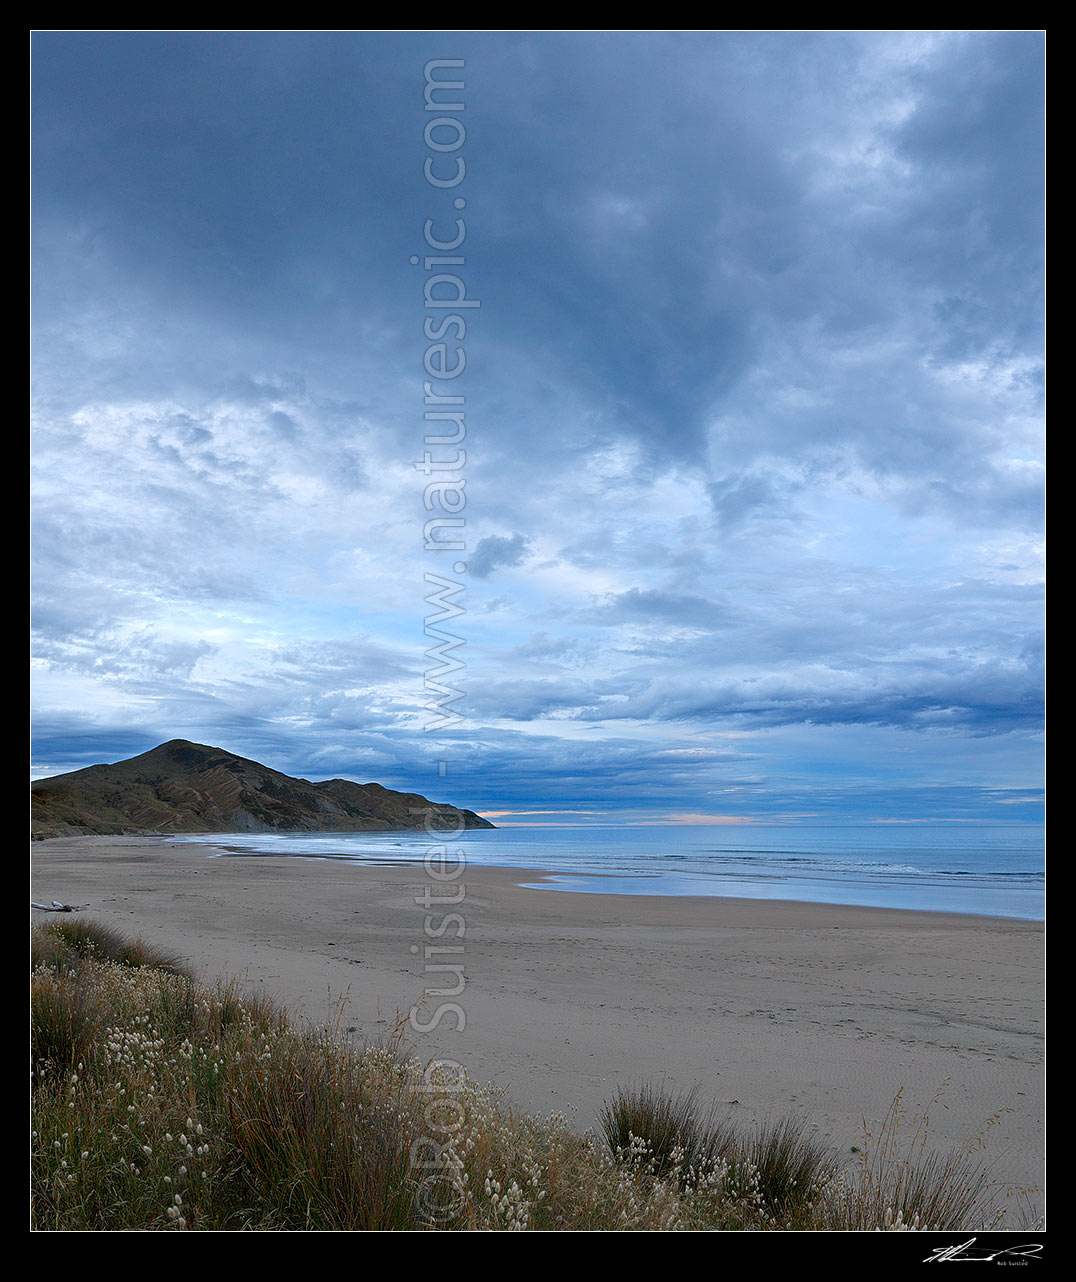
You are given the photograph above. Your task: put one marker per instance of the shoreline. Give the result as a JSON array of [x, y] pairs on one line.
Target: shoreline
[[1006, 900], [770, 1006]]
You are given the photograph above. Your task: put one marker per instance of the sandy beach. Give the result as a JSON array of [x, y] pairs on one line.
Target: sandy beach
[[768, 1006]]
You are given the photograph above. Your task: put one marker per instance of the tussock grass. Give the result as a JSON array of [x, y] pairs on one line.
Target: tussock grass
[[162, 1105], [769, 1177], [337, 1126], [64, 945], [65, 1020], [791, 1170], [675, 1132], [901, 1181]]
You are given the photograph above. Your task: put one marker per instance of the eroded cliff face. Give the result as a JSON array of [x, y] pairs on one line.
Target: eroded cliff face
[[191, 787]]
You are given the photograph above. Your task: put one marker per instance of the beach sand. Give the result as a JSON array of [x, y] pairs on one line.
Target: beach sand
[[769, 1006]]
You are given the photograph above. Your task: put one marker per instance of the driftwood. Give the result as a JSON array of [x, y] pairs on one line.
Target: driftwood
[[57, 907]]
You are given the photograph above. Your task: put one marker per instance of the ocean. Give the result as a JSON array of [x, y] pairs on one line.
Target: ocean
[[994, 870]]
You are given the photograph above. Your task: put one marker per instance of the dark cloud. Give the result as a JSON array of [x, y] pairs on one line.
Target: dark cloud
[[495, 551]]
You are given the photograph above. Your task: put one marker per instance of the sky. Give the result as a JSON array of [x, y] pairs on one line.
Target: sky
[[740, 515]]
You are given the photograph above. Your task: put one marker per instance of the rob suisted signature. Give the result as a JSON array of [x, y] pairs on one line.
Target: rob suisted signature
[[968, 1252]]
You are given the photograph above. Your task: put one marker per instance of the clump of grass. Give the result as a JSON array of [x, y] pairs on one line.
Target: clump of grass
[[234, 1009], [66, 944], [65, 1020], [323, 1137], [792, 1169], [900, 1181], [671, 1129], [771, 1176]]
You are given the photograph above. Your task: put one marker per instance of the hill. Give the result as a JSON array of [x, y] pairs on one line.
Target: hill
[[189, 787]]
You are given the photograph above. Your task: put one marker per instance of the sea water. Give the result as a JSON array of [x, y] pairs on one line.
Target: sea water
[[995, 870]]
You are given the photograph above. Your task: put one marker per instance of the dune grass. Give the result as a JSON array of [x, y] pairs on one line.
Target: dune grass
[[900, 1179], [63, 945], [159, 1104], [676, 1132]]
